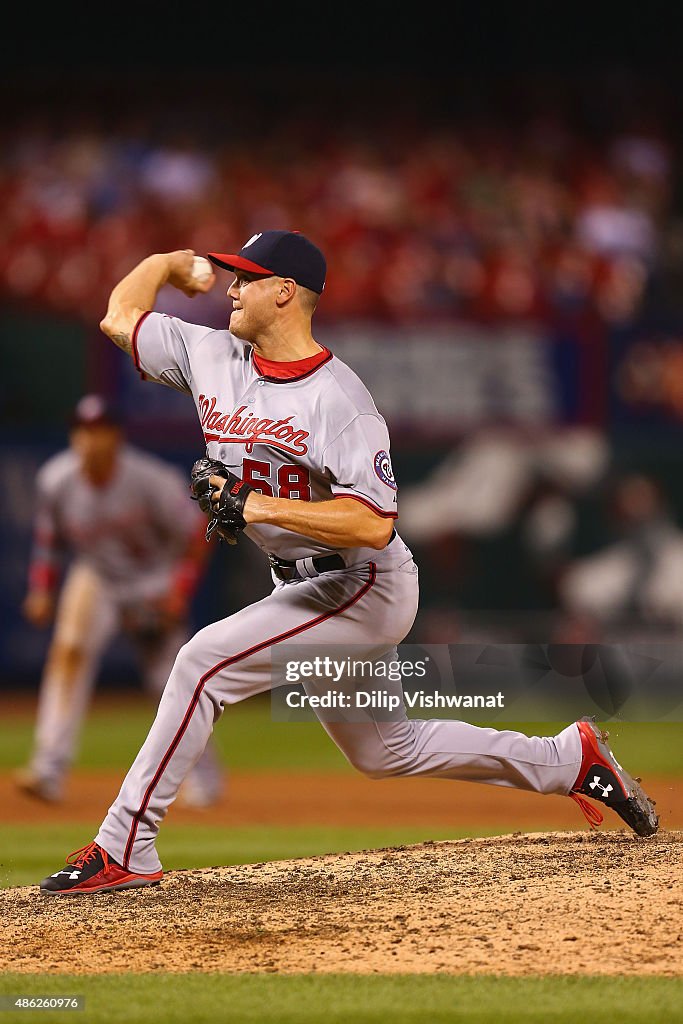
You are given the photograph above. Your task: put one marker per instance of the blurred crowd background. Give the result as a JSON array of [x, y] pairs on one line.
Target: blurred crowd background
[[505, 272], [499, 200]]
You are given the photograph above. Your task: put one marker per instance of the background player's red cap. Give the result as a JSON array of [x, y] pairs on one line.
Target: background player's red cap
[[281, 254], [93, 410]]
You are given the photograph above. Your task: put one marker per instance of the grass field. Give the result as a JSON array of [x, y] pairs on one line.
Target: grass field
[[249, 739], [360, 999], [246, 736]]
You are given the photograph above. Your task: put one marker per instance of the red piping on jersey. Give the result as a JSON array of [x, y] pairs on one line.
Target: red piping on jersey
[[134, 343], [192, 706], [374, 508], [289, 373]]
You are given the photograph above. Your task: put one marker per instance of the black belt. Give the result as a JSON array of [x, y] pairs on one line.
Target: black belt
[[287, 571]]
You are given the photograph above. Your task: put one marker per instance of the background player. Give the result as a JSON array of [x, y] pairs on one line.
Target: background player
[[308, 478], [138, 548]]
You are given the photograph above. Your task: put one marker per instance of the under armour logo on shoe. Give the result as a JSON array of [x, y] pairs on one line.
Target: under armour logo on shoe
[[605, 790], [71, 874]]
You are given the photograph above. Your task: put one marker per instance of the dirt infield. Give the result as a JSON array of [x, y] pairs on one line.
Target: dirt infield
[[568, 903], [298, 799]]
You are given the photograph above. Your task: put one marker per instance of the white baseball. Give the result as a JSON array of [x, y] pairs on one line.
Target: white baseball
[[201, 269]]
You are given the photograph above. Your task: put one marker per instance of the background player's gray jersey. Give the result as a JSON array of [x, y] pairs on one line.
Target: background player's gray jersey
[[131, 531], [314, 437]]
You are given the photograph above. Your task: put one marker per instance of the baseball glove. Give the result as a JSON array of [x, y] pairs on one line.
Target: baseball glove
[[226, 518]]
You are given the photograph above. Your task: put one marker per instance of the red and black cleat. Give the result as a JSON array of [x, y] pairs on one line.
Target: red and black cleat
[[90, 870], [602, 778]]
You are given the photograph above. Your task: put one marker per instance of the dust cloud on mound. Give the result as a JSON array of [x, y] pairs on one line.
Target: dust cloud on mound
[[570, 903]]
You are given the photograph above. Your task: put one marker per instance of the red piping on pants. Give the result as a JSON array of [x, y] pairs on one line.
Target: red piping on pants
[[200, 687]]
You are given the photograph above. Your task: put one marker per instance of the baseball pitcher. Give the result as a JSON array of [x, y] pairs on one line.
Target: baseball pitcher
[[298, 462]]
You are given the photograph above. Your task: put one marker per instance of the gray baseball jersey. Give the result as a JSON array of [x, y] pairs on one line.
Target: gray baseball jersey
[[314, 436], [131, 531]]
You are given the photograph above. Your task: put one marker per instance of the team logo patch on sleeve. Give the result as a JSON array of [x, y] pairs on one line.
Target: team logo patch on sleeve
[[383, 469]]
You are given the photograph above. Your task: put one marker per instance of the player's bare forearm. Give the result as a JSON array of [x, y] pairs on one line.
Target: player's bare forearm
[[132, 297], [340, 523], [137, 292]]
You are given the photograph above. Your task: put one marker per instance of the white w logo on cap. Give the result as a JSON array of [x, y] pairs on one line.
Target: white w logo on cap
[[252, 240]]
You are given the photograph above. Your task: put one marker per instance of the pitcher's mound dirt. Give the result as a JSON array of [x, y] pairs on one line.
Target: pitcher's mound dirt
[[551, 902]]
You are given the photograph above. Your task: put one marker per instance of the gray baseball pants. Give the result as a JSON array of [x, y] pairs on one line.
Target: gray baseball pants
[[373, 609]]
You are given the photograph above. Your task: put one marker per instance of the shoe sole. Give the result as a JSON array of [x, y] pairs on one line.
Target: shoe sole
[[635, 808], [132, 883]]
